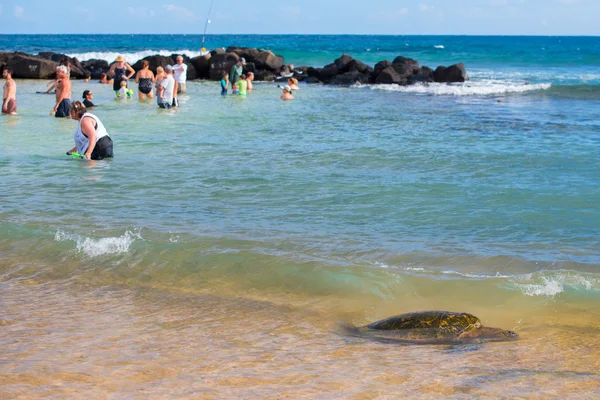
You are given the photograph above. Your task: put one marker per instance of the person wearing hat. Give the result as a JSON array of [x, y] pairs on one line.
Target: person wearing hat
[[287, 93], [87, 99], [165, 89], [236, 71], [119, 71]]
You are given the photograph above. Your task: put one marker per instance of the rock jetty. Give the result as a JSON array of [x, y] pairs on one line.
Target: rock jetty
[[265, 65]]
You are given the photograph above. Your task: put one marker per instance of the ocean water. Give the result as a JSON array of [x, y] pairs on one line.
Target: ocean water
[[215, 255]]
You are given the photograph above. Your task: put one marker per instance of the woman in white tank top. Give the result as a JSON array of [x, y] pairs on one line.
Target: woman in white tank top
[[91, 138]]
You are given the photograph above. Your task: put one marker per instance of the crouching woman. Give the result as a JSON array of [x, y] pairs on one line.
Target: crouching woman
[[91, 138]]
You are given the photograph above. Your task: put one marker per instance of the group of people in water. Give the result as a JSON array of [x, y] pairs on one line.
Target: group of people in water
[[91, 138]]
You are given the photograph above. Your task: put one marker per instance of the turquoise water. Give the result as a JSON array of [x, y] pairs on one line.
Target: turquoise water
[[351, 202]]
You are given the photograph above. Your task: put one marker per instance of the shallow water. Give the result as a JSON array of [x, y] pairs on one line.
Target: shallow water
[[215, 255]]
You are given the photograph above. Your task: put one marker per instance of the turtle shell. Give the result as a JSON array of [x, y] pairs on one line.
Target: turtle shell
[[442, 321]]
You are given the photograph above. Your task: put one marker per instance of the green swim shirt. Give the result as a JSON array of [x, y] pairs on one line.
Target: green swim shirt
[[242, 87]]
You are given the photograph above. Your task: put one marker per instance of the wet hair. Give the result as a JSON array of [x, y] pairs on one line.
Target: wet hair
[[103, 75], [88, 76], [145, 63], [224, 73], [77, 108], [9, 70], [250, 74], [123, 83], [243, 77]]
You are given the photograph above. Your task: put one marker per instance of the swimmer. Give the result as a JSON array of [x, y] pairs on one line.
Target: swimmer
[[242, 85], [124, 93], [249, 79], [287, 93], [145, 80], [121, 71], [63, 93], [87, 99], [224, 82], [293, 83], [104, 79], [9, 95], [91, 138]]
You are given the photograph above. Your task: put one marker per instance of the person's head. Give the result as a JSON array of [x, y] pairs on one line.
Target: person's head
[[243, 77], [179, 60], [169, 69], [66, 62], [250, 76], [123, 84], [87, 77], [77, 109], [62, 71], [120, 60], [87, 94], [145, 64], [241, 61], [293, 81], [103, 76], [7, 73], [224, 74], [160, 70], [287, 89]]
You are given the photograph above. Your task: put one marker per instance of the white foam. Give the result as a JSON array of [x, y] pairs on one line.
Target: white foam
[[97, 247], [439, 46], [557, 282], [131, 58], [472, 88]]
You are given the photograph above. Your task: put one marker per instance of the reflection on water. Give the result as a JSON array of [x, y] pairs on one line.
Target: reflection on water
[[70, 339]]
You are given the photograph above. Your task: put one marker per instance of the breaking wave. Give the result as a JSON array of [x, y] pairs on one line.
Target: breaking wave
[[97, 247], [480, 88], [131, 57]]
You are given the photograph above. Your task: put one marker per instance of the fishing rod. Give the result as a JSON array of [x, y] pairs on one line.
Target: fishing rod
[[203, 49]]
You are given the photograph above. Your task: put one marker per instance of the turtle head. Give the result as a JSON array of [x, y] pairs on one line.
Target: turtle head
[[478, 332]]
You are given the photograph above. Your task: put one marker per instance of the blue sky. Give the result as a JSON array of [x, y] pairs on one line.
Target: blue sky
[[454, 17]]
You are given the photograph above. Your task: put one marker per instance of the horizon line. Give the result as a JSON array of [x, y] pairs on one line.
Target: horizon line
[[302, 34]]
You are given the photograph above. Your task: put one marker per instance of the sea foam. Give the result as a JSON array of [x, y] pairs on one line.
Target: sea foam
[[96, 247], [473, 88], [131, 57]]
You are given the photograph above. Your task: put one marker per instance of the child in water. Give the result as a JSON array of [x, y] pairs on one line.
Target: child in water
[[124, 92], [224, 83]]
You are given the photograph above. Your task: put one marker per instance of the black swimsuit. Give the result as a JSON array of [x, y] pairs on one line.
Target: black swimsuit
[[145, 85], [120, 74]]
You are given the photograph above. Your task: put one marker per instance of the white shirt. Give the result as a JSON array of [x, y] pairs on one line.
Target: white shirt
[[169, 84], [82, 142], [180, 72]]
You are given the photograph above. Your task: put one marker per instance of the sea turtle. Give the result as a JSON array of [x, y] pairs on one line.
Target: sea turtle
[[432, 327]]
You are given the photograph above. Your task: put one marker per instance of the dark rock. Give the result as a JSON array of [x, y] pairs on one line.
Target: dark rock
[[389, 76], [31, 67], [343, 62], [454, 73], [215, 72], [403, 70], [407, 61], [313, 72], [249, 67], [380, 66], [264, 75], [356, 65], [154, 62], [202, 65], [95, 67], [248, 53], [350, 78], [268, 60], [312, 79], [228, 58], [328, 73]]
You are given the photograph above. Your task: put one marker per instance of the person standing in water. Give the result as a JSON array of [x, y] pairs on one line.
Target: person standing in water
[[9, 95], [249, 79], [165, 88], [145, 80], [242, 85], [236, 72], [180, 75], [63, 92], [91, 138], [121, 71], [87, 99], [287, 93]]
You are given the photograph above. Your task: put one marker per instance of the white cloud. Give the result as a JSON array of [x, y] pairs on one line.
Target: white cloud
[[425, 7], [19, 11], [389, 15], [180, 12]]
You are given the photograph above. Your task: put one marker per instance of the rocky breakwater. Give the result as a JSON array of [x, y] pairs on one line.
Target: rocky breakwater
[[265, 65]]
